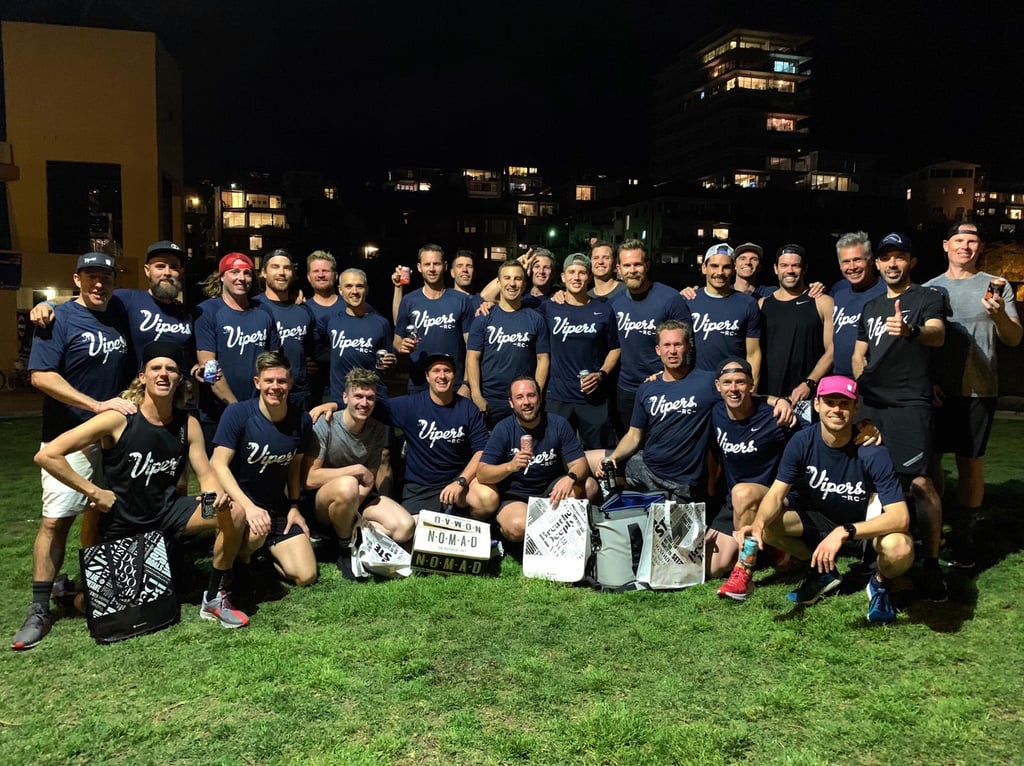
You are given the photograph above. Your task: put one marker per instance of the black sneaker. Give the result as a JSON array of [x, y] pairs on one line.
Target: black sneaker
[[37, 624], [932, 585], [344, 563], [962, 555], [815, 586]]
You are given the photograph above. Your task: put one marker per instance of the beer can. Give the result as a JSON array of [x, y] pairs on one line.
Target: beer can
[[583, 374], [608, 484], [210, 370], [748, 554], [381, 353], [995, 288], [206, 507], [526, 443], [404, 275], [410, 332]]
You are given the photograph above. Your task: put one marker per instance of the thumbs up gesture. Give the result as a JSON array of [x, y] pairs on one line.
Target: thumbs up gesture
[[895, 325]]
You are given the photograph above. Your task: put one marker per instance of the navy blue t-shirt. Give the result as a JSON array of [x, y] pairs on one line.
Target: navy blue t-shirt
[[263, 451], [150, 320], [441, 324], [235, 338], [849, 304], [440, 439], [554, 446], [637, 320], [509, 342], [675, 418], [752, 447], [353, 342], [580, 338], [721, 326], [837, 482], [296, 328], [89, 349]]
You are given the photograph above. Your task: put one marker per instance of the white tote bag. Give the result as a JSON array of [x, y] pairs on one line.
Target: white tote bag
[[557, 539], [673, 552], [379, 555]]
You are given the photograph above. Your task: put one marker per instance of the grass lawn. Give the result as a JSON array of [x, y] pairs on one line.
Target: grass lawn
[[508, 670]]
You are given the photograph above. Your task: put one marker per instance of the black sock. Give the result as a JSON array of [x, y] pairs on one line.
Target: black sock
[[345, 544], [41, 592], [241, 577], [216, 580]]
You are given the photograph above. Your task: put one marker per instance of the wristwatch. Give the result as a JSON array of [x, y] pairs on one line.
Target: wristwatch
[[915, 330], [851, 531], [574, 477], [461, 481], [811, 383]]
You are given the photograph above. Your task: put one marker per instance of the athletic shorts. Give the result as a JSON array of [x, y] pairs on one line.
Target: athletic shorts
[[639, 476], [509, 499], [420, 497], [171, 523], [59, 500], [906, 433], [590, 419], [963, 425], [723, 521], [277, 534], [817, 526]]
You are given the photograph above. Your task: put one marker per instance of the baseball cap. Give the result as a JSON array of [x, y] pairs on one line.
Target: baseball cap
[[735, 364], [722, 248], [95, 261], [894, 241], [235, 261], [959, 228], [837, 385], [748, 247], [794, 249], [433, 359], [575, 259], [163, 246], [166, 349]]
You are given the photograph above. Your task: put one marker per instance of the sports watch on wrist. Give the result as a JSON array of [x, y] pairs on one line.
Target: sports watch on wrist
[[851, 531]]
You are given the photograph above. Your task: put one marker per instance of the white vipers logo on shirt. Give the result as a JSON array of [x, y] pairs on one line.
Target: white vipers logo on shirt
[[259, 454]]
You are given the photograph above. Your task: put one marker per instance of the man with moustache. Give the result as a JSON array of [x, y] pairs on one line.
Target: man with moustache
[[967, 378], [234, 332], [892, 364], [155, 314], [444, 438], [860, 284], [554, 466], [584, 338], [726, 323], [796, 337], [507, 342], [295, 323], [439, 317], [638, 311], [829, 491], [80, 365]]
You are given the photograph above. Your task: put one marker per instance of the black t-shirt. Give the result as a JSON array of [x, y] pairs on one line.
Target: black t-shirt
[[897, 370]]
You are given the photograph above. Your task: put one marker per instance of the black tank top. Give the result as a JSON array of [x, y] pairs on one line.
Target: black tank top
[[143, 468], [791, 343]]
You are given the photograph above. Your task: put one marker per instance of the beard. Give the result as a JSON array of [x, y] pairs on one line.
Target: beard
[[166, 290]]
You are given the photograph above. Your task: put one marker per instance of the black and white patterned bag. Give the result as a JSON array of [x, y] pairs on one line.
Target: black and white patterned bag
[[128, 587]]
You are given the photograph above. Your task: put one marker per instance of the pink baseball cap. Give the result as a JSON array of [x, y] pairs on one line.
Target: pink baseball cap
[[837, 385]]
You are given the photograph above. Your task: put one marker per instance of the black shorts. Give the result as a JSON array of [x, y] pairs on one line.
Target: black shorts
[[508, 499], [171, 523], [817, 527], [963, 425], [723, 520], [590, 419], [277, 534], [906, 433], [420, 497], [639, 476]]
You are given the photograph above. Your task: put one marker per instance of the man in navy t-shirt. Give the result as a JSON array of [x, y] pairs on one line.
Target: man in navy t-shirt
[[860, 284], [584, 339], [639, 309], [508, 342], [80, 365], [834, 490], [444, 439], [532, 454], [432, 320]]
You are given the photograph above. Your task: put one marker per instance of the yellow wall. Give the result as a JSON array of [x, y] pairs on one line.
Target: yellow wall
[[88, 95]]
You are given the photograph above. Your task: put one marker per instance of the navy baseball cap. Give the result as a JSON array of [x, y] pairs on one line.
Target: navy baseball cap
[[895, 241], [96, 261], [163, 246]]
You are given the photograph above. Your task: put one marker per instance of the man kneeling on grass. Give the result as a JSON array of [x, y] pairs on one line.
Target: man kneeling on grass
[[347, 470], [144, 456], [835, 484]]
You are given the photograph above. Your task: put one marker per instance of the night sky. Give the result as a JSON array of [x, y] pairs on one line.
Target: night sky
[[350, 89]]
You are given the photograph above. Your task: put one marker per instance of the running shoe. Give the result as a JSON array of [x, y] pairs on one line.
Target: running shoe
[[739, 585], [879, 604], [815, 586], [932, 585], [37, 624], [219, 608]]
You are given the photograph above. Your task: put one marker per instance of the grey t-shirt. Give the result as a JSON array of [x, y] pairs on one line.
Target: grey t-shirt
[[965, 365], [338, 447]]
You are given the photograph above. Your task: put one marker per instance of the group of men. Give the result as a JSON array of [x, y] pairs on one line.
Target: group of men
[[524, 390]]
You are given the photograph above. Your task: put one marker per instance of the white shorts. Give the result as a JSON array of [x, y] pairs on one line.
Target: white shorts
[[59, 500]]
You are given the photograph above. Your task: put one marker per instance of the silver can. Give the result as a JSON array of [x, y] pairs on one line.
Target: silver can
[[210, 370], [410, 332], [380, 358], [206, 509]]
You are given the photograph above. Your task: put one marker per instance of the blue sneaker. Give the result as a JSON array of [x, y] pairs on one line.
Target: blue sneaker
[[879, 605], [814, 586]]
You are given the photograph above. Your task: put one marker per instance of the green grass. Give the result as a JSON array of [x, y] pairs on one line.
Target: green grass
[[508, 670]]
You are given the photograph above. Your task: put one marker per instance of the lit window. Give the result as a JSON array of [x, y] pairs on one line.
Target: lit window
[[1014, 213], [526, 208], [748, 180], [780, 163], [369, 251], [232, 198], [784, 124], [1007, 228], [993, 195], [584, 193], [909, 192], [787, 67], [469, 228], [424, 186], [497, 253], [720, 232], [329, 192], [700, 233], [255, 242], [959, 191], [233, 220]]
